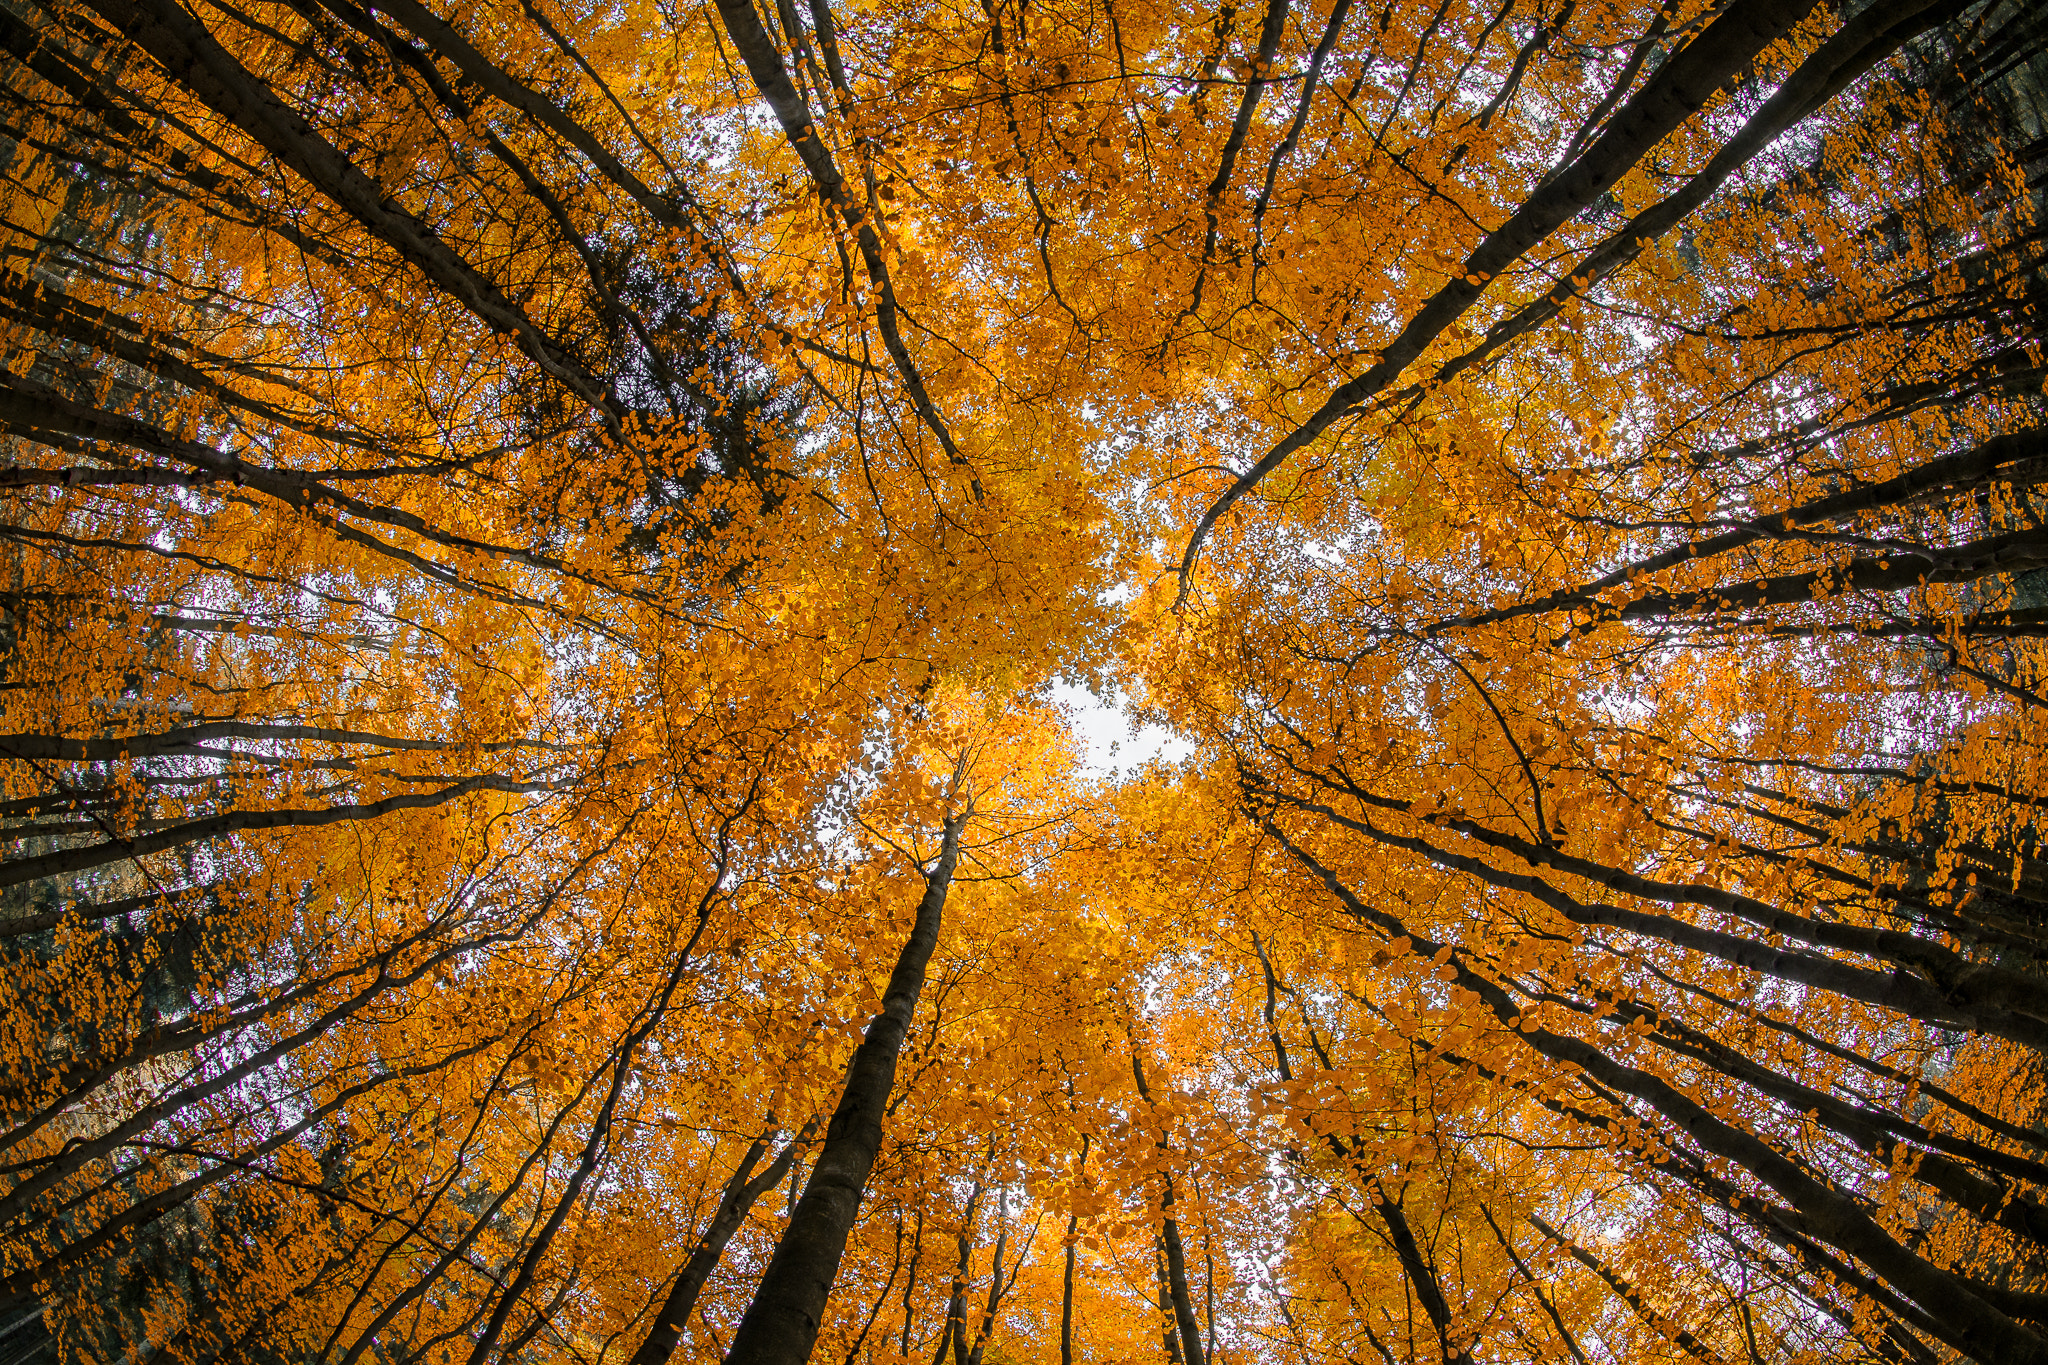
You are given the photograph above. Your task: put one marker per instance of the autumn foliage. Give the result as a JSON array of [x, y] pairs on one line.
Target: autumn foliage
[[546, 550]]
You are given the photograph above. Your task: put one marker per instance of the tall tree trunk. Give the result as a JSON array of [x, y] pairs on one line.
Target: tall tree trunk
[[1421, 1272], [1067, 1297], [1067, 1278], [1169, 1337], [1177, 1281], [995, 1280], [910, 1286], [1169, 1241], [953, 1335], [781, 1325], [1627, 1293], [1979, 1320], [740, 1193]]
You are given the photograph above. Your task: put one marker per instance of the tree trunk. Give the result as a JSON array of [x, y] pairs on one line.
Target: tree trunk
[[1176, 1266], [781, 1325], [740, 1193], [1067, 1297]]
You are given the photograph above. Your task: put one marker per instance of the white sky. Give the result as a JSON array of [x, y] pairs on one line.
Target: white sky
[[1113, 749]]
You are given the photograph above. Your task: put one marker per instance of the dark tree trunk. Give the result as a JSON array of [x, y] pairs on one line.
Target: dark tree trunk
[[781, 1325], [740, 1193], [1176, 1264], [1067, 1298]]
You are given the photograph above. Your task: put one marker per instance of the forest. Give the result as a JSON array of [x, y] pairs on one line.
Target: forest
[[569, 569]]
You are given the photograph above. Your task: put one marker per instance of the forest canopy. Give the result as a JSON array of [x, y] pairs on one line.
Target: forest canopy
[[543, 544]]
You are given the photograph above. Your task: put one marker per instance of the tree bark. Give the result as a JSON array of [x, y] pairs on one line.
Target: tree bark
[[1421, 1274], [996, 1284], [781, 1324], [1679, 90], [1961, 993], [214, 827], [1176, 1281], [953, 1331], [740, 1193], [196, 60], [1965, 1317], [1627, 1293], [1067, 1276], [1067, 1297], [1169, 1335], [1415, 1264], [764, 64]]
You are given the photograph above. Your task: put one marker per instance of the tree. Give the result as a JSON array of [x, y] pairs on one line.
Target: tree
[[540, 540]]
